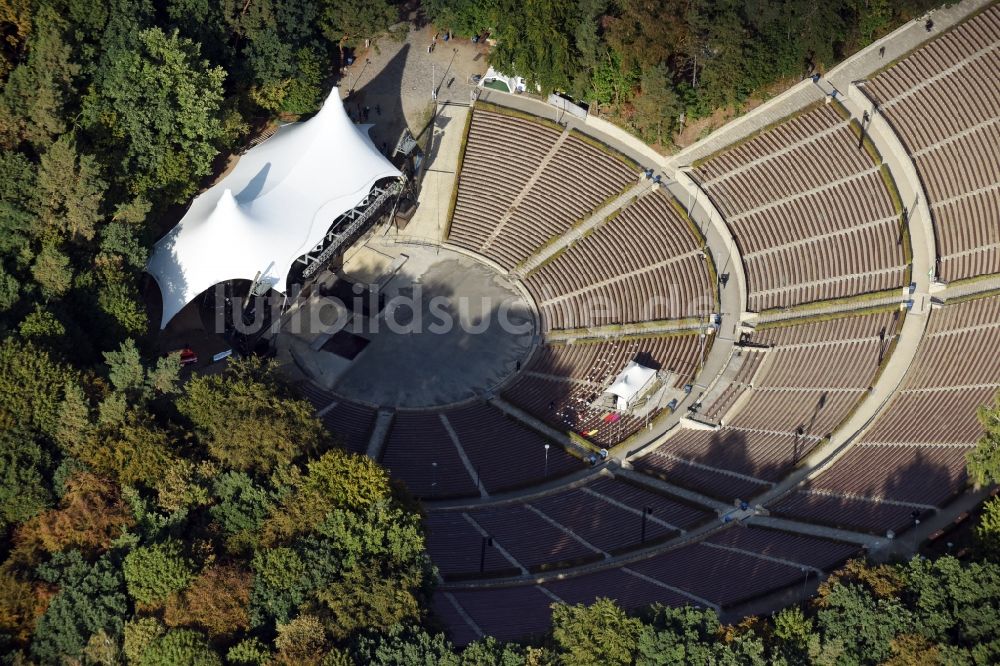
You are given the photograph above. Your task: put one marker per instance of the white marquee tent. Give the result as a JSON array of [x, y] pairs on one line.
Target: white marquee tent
[[275, 205], [631, 383]]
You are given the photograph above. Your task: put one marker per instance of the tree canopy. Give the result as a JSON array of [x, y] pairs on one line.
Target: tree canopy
[[151, 516]]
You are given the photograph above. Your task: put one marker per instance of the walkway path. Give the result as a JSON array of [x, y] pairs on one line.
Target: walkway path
[[914, 325], [622, 330], [460, 450], [380, 433], [430, 220]]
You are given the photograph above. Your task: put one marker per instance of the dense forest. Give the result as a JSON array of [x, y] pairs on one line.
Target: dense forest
[[144, 524], [650, 64]]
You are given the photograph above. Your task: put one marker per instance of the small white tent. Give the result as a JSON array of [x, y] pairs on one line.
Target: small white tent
[[275, 205], [631, 383]]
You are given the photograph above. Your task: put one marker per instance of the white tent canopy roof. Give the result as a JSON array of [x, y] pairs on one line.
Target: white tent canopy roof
[[275, 205], [631, 383]]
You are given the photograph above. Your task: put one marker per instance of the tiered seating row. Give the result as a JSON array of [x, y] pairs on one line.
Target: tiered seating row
[[708, 480], [575, 182], [848, 327], [822, 202], [868, 260], [917, 474], [348, 422], [953, 144], [501, 154], [419, 452], [566, 405], [810, 215], [677, 287], [503, 453], [789, 135], [763, 455], [456, 546], [814, 375], [807, 550], [506, 454], [749, 360], [605, 515], [781, 175], [602, 361], [816, 411], [915, 452], [720, 576], [870, 515]]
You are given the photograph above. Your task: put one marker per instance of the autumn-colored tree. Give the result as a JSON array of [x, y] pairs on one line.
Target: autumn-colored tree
[[216, 601], [20, 606], [15, 24], [301, 641], [91, 515]]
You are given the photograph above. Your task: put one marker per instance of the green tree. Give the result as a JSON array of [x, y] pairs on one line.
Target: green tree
[[153, 572], [34, 100], [337, 480], [988, 530], [52, 271], [241, 508], [25, 468], [863, 625], [533, 41], [249, 652], [796, 637], [598, 634], [180, 646], [279, 585], [489, 651], [157, 108], [68, 192], [404, 646], [463, 17], [248, 420], [351, 22], [955, 604], [984, 460], [31, 387], [139, 634], [679, 635], [657, 107], [130, 375], [91, 598]]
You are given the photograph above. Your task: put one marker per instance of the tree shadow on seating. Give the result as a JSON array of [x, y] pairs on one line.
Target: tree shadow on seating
[[905, 484]]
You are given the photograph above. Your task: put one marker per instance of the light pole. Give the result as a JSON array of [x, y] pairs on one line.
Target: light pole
[[487, 541], [434, 474], [546, 461], [434, 94], [646, 512]]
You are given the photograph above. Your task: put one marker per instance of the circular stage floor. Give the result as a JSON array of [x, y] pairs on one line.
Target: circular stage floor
[[452, 328]]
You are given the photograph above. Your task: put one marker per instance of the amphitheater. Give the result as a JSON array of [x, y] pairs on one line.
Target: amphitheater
[[817, 286]]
